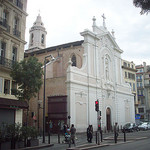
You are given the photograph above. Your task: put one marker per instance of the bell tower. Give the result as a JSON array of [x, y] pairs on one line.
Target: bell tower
[[38, 33]]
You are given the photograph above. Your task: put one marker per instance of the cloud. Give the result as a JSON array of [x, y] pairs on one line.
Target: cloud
[[64, 20]]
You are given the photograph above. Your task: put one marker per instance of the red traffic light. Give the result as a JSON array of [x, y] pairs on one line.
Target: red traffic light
[[97, 105], [96, 102]]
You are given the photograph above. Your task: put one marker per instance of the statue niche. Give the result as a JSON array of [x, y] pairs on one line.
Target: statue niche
[[107, 68]]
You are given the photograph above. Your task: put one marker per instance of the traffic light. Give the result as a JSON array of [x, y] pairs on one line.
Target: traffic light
[[97, 105]]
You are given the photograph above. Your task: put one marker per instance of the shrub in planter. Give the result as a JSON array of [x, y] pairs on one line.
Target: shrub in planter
[[30, 136], [13, 131], [4, 138], [33, 141]]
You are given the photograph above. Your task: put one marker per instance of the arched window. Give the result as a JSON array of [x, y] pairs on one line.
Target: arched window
[[42, 39], [73, 59]]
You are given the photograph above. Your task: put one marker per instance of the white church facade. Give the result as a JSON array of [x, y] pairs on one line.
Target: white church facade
[[99, 78]]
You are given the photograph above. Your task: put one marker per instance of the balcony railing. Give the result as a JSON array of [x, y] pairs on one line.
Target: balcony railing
[[6, 62], [16, 33], [4, 24], [147, 85]]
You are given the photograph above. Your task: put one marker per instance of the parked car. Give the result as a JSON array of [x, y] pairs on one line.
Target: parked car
[[130, 127], [144, 126]]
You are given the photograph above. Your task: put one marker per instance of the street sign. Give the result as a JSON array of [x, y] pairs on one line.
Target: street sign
[[137, 116], [34, 117]]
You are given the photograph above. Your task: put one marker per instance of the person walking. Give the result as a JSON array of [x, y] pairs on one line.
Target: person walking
[[91, 134], [116, 128], [73, 134], [88, 133]]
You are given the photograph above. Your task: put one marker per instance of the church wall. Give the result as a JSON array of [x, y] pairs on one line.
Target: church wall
[[102, 80], [126, 109]]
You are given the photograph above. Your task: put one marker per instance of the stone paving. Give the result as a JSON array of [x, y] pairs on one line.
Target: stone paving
[[81, 141]]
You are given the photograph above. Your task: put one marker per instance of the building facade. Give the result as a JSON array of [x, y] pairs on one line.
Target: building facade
[[12, 40], [129, 74], [99, 78], [143, 90], [55, 90], [85, 71]]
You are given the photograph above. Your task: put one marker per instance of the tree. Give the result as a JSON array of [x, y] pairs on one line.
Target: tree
[[143, 4], [28, 76]]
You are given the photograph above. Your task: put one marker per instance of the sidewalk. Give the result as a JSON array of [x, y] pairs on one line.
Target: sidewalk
[[81, 141]]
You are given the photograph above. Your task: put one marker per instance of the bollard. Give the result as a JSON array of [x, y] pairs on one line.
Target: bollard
[[101, 132], [124, 136], [49, 137], [96, 137], [115, 136], [58, 137]]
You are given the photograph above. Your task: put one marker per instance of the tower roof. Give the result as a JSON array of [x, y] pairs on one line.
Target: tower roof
[[38, 21]]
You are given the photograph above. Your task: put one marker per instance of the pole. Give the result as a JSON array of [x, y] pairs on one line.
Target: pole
[[98, 134], [124, 135], [49, 137], [44, 102]]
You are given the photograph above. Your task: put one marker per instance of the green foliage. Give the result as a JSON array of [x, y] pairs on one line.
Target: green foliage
[[143, 4], [28, 75], [17, 132]]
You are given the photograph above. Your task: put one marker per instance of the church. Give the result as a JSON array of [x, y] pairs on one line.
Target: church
[[86, 71], [100, 78]]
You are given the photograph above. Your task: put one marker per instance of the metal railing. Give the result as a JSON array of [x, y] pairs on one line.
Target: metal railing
[[4, 24], [6, 62]]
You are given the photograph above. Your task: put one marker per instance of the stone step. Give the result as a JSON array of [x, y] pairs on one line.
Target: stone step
[[86, 146]]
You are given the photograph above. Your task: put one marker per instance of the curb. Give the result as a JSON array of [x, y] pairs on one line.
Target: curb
[[86, 146], [36, 147]]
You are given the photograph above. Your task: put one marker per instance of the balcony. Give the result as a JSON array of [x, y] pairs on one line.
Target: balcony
[[16, 33], [4, 24], [147, 85], [6, 62]]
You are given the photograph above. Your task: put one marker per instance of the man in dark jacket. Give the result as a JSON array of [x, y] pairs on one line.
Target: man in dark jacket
[[73, 134]]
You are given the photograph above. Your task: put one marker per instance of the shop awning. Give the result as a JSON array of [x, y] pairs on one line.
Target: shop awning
[[13, 104]]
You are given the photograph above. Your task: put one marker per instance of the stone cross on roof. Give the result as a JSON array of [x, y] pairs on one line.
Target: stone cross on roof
[[104, 25]]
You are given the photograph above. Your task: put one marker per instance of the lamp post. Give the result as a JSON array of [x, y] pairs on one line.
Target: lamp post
[[52, 60]]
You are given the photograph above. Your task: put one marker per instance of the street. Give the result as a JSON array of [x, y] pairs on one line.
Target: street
[[136, 145], [135, 141]]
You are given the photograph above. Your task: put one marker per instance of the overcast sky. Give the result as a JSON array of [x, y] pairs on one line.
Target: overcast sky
[[65, 19]]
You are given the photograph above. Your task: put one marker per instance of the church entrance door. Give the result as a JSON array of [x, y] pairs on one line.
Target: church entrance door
[[108, 119]]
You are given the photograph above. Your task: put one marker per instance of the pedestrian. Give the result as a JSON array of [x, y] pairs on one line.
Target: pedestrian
[[65, 128], [88, 133], [116, 128], [73, 134], [116, 132], [91, 134]]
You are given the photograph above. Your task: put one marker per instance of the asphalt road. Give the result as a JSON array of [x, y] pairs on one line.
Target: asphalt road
[[136, 145]]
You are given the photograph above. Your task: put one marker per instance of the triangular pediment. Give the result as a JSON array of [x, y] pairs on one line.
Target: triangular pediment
[[110, 41]]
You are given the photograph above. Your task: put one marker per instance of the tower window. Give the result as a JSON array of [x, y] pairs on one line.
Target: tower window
[[32, 38], [73, 59], [42, 39]]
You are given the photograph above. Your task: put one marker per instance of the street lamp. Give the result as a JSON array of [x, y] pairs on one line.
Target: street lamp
[[52, 60]]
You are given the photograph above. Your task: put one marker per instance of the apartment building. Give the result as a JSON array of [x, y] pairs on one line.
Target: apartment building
[[129, 74], [143, 89], [12, 40]]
